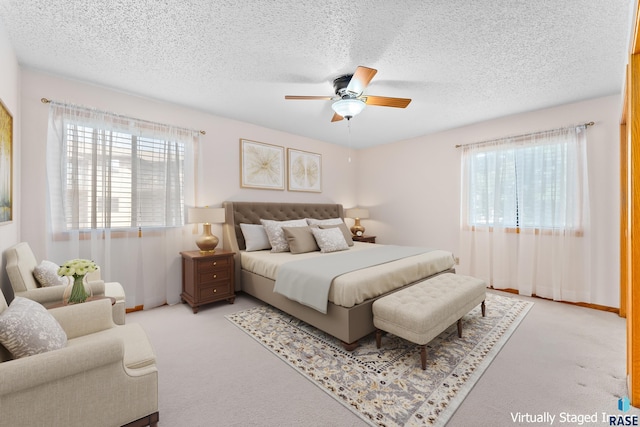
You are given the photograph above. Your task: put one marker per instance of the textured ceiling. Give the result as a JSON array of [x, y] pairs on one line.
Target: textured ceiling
[[461, 61]]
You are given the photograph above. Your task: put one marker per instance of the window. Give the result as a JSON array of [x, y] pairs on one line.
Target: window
[[119, 180], [115, 172], [531, 182]]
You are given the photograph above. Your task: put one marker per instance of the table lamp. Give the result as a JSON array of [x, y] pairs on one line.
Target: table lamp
[[357, 214], [206, 216]]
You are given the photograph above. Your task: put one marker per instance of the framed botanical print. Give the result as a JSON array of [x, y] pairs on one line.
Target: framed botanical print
[[261, 165], [6, 164], [305, 171]]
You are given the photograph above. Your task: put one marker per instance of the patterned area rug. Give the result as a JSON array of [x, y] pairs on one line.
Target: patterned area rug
[[387, 387]]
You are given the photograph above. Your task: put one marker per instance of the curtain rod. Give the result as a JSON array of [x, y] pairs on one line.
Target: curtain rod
[[525, 134], [48, 101]]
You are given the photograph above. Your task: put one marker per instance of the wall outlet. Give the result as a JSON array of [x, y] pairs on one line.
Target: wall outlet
[[457, 260]]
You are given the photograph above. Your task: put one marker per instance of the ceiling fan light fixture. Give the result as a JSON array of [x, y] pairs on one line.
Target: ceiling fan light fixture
[[348, 107]]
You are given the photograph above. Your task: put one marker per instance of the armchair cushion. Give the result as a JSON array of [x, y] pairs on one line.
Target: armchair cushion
[[92, 321], [27, 328], [46, 273], [87, 318]]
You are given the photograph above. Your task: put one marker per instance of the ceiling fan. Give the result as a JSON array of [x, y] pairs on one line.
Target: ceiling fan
[[349, 100]]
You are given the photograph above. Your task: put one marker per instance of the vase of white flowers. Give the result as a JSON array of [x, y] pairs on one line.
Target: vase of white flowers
[[78, 291]]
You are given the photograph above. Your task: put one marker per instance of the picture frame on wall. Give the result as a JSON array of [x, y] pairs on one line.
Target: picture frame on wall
[[261, 165], [6, 165], [305, 171]]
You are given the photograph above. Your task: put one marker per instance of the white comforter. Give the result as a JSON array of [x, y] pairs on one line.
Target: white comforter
[[355, 287]]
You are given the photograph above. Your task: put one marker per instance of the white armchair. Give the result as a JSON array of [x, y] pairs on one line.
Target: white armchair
[[105, 375], [20, 266]]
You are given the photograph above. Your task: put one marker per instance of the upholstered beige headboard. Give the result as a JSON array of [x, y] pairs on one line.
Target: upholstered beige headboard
[[253, 212]]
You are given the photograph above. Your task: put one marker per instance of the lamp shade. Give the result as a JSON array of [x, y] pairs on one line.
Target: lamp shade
[[357, 213], [348, 107], [206, 215]]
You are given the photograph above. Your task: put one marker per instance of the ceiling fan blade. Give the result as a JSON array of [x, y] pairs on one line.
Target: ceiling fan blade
[[336, 117], [360, 79], [384, 101], [326, 98]]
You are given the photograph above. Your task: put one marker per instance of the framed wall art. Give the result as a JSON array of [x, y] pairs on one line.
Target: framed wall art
[[6, 164], [261, 165], [305, 171]]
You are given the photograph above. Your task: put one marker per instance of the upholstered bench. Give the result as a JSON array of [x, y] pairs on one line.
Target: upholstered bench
[[421, 312]]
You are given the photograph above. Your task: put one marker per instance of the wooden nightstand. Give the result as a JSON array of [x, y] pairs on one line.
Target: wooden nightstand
[[207, 278], [366, 239]]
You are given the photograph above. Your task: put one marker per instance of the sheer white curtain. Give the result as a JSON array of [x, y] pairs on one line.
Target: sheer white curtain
[[117, 188], [525, 214]]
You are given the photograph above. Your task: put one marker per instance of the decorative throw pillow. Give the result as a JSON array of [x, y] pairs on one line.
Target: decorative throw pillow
[[27, 328], [330, 239], [255, 237], [345, 231], [276, 234], [300, 239], [46, 273]]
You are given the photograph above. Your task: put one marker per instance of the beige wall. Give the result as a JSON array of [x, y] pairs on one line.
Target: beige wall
[[9, 84], [412, 187], [220, 150]]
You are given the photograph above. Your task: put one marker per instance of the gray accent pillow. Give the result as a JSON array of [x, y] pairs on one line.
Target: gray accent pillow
[[276, 234], [46, 273], [330, 239], [27, 328], [345, 231], [255, 237], [300, 239]]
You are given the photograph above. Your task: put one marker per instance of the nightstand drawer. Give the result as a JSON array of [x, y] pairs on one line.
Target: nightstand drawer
[[205, 277], [215, 291], [205, 265]]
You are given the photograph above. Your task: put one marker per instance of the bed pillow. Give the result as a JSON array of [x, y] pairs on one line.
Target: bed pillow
[[255, 237], [276, 234], [300, 240], [330, 221], [345, 231], [46, 273], [330, 239], [27, 328]]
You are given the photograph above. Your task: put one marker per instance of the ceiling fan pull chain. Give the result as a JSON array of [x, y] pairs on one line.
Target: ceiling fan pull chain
[[349, 140]]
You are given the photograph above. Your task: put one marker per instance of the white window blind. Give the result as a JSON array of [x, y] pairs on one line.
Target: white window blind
[[116, 172]]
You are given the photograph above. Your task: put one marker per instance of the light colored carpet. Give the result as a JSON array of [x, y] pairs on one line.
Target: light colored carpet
[[387, 386], [561, 358]]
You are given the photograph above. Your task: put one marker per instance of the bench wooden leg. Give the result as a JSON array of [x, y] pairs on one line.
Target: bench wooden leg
[[423, 356], [378, 338], [460, 328], [484, 310]]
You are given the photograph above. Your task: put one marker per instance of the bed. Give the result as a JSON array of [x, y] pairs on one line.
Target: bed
[[349, 322]]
